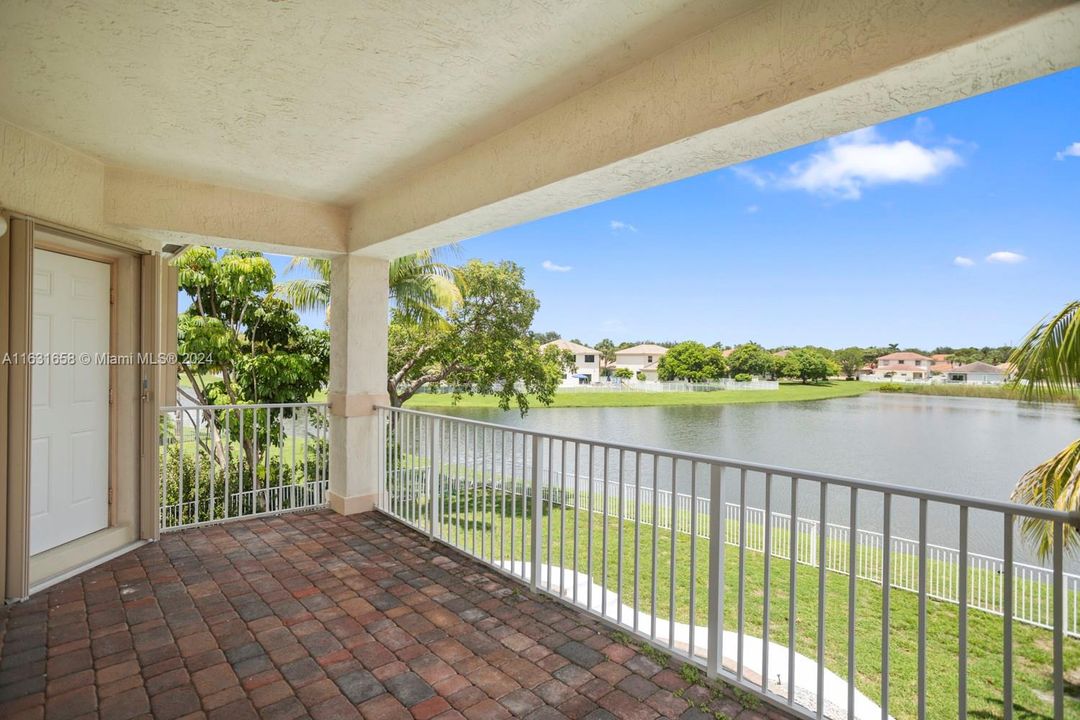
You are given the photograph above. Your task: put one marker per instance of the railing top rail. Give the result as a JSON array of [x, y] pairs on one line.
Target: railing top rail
[[1028, 511], [257, 406]]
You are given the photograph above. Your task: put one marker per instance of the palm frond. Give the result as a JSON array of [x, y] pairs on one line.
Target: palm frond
[[304, 294], [1047, 362], [423, 288], [319, 267], [1053, 484]]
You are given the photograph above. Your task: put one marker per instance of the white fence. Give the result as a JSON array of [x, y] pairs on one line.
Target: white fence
[[1032, 585], [501, 495], [657, 386], [225, 462]]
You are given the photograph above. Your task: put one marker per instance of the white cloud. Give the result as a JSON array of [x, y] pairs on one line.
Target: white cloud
[[1005, 256], [962, 261], [548, 265], [751, 176], [861, 159], [1071, 151], [751, 209], [618, 225]]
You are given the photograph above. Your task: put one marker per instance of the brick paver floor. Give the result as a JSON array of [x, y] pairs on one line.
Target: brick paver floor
[[322, 616]]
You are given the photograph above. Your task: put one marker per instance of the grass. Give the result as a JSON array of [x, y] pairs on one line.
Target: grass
[[788, 392], [289, 454], [1003, 392], [1032, 645]]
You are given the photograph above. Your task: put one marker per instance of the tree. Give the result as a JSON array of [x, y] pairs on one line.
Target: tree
[[807, 365], [623, 373], [751, 359], [239, 344], [481, 345], [992, 355], [421, 286], [546, 337], [850, 360], [1047, 364], [606, 350], [693, 362]]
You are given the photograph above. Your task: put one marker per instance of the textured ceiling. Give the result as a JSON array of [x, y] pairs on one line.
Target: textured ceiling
[[325, 100]]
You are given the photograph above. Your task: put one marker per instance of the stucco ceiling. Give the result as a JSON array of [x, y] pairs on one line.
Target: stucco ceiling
[[325, 100]]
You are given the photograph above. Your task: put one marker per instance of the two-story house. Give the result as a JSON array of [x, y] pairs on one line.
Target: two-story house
[[904, 366], [586, 368]]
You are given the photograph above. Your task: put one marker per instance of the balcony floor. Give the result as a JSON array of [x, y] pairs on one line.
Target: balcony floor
[[323, 616]]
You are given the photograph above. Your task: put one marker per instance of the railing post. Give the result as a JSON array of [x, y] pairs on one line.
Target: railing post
[[433, 481], [717, 531], [534, 572]]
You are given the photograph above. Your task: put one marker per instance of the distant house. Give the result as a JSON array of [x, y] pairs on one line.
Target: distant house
[[942, 364], [978, 373], [904, 366], [641, 358], [586, 362]]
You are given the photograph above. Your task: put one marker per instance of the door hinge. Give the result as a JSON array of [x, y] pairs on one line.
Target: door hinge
[[110, 494], [110, 395]]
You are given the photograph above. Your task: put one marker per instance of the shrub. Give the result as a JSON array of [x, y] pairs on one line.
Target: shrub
[[744, 377], [195, 496], [641, 376], [890, 387]]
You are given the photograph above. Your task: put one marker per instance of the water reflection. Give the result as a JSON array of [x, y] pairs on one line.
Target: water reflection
[[968, 446]]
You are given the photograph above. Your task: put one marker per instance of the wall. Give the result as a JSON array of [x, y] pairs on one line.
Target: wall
[[55, 195]]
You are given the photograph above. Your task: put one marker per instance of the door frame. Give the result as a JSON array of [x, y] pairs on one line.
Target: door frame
[[137, 399]]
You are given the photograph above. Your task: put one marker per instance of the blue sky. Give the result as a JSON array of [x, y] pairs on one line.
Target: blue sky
[[885, 235], [763, 252]]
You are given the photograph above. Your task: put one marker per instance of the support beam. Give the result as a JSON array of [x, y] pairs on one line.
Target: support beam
[[186, 212], [359, 302], [778, 76]]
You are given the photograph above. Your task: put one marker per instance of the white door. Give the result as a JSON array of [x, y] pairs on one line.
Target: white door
[[69, 450]]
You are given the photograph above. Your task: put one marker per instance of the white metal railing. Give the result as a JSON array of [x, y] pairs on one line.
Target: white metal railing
[[226, 462], [1032, 584], [507, 496]]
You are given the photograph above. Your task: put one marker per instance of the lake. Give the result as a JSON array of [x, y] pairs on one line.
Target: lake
[[970, 446]]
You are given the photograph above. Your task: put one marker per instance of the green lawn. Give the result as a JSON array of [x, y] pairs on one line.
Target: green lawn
[[288, 452], [1032, 646], [788, 392]]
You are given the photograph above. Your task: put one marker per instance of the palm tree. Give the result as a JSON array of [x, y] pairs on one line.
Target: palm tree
[[421, 286], [1047, 365]]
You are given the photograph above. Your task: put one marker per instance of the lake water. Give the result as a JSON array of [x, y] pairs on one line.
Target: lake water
[[970, 446]]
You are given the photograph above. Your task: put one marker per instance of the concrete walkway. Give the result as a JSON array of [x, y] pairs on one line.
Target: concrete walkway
[[836, 688]]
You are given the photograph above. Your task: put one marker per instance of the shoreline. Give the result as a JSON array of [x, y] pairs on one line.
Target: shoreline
[[788, 392]]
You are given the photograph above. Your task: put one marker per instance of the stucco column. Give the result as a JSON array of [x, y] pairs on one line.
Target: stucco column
[[359, 300]]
